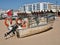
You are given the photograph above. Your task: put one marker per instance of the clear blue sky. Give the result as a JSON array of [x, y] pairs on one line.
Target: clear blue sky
[[15, 4]]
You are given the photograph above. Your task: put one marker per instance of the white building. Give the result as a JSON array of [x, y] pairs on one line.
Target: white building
[[39, 7], [55, 7]]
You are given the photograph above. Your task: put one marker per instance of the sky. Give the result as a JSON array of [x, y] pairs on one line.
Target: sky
[[15, 4]]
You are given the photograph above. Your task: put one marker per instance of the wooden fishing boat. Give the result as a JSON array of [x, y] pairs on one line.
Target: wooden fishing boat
[[44, 25], [31, 31]]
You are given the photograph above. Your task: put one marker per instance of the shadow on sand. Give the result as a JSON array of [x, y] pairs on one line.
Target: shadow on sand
[[8, 37]]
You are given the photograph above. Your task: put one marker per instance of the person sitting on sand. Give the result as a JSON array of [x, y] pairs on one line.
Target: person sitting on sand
[[13, 30], [14, 27]]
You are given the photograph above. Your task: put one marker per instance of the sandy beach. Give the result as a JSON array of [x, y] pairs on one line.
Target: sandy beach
[[51, 37]]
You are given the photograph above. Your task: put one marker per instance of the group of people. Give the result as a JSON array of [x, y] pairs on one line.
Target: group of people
[[19, 25]]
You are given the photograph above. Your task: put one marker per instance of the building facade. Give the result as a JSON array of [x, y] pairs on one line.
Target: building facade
[[39, 7]]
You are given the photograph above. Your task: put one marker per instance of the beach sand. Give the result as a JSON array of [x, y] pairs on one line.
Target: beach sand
[[51, 37]]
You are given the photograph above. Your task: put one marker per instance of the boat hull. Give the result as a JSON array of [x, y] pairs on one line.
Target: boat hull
[[35, 30]]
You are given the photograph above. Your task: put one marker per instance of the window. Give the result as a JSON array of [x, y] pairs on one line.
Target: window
[[29, 7], [38, 6], [45, 6], [34, 7], [24, 8]]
